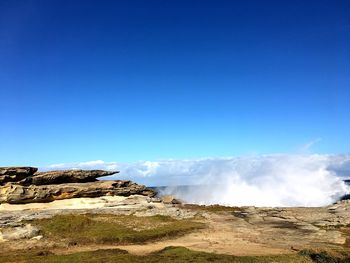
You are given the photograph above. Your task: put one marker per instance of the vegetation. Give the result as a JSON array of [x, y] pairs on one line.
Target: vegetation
[[330, 256], [111, 229], [212, 208], [93, 229], [167, 255]]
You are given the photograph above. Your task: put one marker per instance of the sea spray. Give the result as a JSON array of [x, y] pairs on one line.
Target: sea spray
[[262, 180], [284, 180]]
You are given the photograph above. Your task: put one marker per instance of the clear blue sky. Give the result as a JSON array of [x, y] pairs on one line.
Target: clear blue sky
[[146, 80]]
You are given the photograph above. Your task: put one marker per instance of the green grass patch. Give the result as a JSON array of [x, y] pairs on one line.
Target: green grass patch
[[212, 208], [112, 229]]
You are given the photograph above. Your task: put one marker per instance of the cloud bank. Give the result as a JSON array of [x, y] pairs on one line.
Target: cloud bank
[[264, 180]]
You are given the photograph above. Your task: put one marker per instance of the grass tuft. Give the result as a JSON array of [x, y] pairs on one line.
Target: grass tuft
[[111, 229], [212, 208]]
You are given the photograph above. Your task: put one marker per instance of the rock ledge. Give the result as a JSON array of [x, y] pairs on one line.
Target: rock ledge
[[20, 185]]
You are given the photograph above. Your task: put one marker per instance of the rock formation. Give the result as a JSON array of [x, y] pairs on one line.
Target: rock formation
[[15, 174], [67, 176], [23, 185], [170, 199]]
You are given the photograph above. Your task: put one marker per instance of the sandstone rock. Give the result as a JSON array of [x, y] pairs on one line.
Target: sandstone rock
[[19, 194], [18, 170], [170, 199], [156, 200], [14, 174], [66, 176], [20, 232], [37, 237]]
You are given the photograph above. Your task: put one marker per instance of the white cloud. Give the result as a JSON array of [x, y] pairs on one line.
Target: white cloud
[[98, 164], [262, 180]]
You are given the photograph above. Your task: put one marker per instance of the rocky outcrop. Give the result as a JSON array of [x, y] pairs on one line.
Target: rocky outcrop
[[15, 174], [19, 194], [21, 185], [67, 176]]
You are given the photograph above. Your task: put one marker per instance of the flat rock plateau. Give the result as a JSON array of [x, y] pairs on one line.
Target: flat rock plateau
[[28, 198]]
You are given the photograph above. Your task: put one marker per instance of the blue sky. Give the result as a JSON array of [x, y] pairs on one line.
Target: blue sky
[[148, 80]]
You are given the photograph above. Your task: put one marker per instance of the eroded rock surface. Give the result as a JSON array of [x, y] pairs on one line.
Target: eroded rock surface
[[13, 215], [18, 232], [15, 174], [170, 199], [66, 176], [294, 227], [19, 194], [20, 185]]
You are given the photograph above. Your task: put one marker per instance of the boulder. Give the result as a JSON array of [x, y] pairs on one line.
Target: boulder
[[20, 232], [15, 174], [66, 176], [170, 199], [20, 194]]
